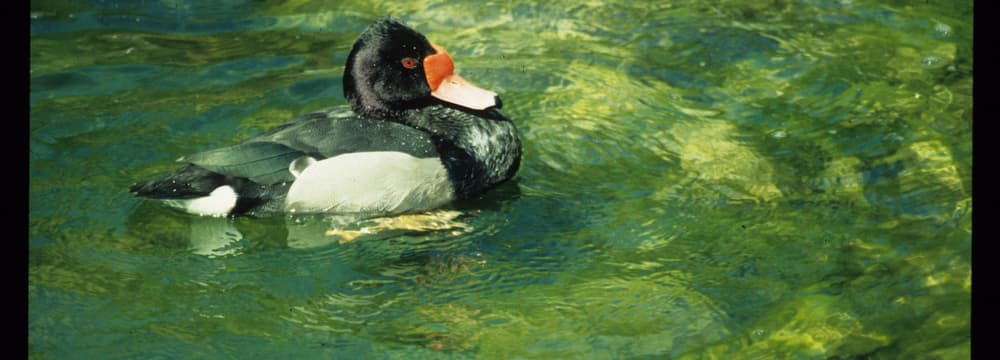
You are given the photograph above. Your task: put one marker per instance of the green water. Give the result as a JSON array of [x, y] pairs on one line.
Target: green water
[[701, 179]]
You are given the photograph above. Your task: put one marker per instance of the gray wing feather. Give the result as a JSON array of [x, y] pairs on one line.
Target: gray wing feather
[[322, 134], [261, 162]]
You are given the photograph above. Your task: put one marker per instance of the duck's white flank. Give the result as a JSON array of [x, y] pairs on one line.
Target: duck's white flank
[[378, 182]]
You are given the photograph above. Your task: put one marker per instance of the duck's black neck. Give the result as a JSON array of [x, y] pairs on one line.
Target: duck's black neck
[[366, 103], [480, 149]]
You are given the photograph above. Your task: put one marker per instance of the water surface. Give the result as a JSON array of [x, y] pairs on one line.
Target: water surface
[[701, 179]]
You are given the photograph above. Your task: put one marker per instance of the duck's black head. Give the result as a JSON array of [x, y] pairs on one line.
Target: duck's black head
[[393, 68]]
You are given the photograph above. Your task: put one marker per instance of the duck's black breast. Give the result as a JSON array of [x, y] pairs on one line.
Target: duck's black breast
[[480, 149]]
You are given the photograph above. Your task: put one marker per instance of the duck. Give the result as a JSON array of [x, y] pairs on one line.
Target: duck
[[413, 136]]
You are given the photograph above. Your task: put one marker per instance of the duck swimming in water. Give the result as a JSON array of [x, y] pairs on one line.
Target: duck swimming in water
[[415, 136]]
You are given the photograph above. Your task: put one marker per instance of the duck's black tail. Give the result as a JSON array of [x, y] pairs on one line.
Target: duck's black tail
[[187, 183]]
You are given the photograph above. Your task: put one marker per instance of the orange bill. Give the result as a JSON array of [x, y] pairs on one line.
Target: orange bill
[[446, 86]]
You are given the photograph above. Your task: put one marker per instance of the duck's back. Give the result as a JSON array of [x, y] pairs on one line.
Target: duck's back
[[260, 170], [338, 130]]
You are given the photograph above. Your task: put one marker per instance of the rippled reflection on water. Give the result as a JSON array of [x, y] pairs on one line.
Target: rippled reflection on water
[[737, 180]]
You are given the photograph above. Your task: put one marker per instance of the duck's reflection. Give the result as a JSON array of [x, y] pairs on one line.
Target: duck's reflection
[[165, 227], [215, 237]]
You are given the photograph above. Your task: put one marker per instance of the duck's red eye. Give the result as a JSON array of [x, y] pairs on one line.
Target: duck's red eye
[[409, 62]]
